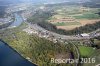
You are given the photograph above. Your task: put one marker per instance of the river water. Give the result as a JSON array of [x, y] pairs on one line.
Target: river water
[[18, 20], [8, 56]]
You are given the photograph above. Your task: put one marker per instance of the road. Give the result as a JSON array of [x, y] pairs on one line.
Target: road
[[64, 37]]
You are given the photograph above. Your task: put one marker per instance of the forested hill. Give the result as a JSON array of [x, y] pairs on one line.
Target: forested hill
[[95, 1], [93, 4], [2, 11]]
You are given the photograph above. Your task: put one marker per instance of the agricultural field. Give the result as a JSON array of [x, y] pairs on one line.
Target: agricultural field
[[92, 53], [70, 17], [67, 24], [86, 51], [96, 56]]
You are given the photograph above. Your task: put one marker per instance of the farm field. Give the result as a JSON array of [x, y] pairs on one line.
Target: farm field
[[86, 51], [70, 17], [96, 55], [91, 53], [66, 24]]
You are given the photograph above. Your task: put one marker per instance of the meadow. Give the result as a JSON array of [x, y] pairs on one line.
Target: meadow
[[78, 16], [86, 51]]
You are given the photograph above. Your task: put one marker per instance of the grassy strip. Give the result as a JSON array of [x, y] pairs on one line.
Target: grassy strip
[[88, 16], [67, 23], [86, 51]]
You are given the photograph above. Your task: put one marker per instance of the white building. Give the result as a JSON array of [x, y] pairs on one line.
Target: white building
[[85, 35]]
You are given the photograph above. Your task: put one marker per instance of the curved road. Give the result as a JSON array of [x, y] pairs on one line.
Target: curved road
[[64, 37]]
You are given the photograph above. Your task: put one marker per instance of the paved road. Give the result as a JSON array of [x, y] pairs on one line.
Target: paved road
[[65, 37]]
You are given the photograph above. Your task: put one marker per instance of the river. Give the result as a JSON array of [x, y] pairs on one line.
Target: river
[[18, 20], [8, 56]]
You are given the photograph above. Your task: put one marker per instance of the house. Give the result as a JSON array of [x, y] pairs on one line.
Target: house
[[85, 35]]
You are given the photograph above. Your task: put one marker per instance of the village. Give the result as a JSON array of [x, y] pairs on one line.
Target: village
[[42, 33]]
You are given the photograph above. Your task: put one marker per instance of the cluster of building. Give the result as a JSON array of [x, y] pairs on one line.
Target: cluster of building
[[84, 9], [37, 30], [5, 20], [18, 7], [43, 33]]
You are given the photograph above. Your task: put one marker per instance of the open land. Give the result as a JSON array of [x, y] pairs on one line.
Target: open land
[[70, 17]]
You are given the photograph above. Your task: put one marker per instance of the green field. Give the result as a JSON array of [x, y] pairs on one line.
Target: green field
[[88, 16], [95, 55], [86, 51], [67, 23]]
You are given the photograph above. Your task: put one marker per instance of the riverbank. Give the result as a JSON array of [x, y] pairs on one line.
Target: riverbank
[[9, 57], [5, 25], [17, 20]]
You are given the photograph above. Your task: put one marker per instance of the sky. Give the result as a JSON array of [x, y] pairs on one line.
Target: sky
[[52, 0], [37, 1]]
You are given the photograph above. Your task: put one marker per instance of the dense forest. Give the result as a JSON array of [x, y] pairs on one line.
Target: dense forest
[[40, 16], [92, 4]]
